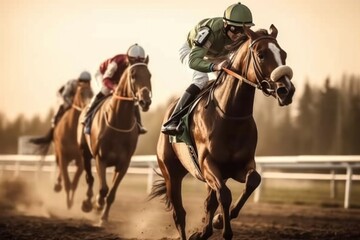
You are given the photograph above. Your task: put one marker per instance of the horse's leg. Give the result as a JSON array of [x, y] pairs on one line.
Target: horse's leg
[[87, 205], [252, 181], [66, 179], [118, 176], [174, 192], [173, 173], [211, 205], [104, 189], [214, 180], [57, 185], [79, 169]]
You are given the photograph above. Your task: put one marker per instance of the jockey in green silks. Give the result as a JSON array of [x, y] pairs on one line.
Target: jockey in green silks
[[207, 49]]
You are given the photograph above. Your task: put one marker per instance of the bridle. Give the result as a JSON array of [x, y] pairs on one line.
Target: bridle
[[76, 107], [133, 97], [262, 83]]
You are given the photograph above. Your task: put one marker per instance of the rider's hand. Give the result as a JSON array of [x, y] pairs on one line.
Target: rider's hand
[[220, 65]]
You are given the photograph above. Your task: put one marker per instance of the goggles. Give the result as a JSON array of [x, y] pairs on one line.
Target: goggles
[[236, 29]]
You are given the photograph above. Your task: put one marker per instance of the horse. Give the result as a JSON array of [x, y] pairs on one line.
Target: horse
[[114, 135], [224, 133], [65, 142]]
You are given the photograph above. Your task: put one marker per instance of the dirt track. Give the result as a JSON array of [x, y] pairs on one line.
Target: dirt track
[[132, 217]]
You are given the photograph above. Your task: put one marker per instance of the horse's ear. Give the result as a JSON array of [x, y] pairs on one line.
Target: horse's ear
[[250, 33], [146, 59], [273, 31]]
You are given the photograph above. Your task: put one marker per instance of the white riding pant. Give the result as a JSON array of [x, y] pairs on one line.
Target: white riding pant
[[200, 79]]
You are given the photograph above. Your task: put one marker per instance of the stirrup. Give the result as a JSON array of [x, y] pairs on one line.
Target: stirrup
[[87, 125], [172, 129]]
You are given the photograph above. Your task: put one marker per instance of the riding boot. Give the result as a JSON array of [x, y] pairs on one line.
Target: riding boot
[[142, 130], [49, 135], [171, 127], [88, 116]]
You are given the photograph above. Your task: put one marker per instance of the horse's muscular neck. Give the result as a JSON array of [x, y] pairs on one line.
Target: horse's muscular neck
[[119, 109], [234, 96]]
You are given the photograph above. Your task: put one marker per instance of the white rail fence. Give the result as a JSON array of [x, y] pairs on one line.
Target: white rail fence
[[274, 167]]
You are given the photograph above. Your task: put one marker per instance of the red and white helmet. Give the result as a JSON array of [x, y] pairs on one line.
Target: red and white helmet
[[136, 51]]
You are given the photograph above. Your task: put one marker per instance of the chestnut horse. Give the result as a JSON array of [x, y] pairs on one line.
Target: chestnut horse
[[65, 142], [114, 135], [224, 133]]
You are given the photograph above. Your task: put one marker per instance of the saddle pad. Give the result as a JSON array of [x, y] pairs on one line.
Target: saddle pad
[[188, 157]]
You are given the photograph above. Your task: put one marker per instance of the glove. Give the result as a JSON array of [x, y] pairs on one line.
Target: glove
[[109, 84], [220, 65]]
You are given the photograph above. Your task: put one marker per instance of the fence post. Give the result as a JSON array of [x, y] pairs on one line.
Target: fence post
[[257, 192], [332, 185], [150, 178], [17, 169], [348, 186]]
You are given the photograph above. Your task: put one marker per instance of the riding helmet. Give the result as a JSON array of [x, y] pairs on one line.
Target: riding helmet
[[85, 76], [136, 51], [238, 15]]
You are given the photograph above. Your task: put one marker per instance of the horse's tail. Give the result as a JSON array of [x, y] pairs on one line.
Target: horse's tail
[[158, 189], [42, 145]]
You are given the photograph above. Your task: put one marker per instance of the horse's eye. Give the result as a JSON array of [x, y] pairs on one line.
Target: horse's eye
[[261, 56]]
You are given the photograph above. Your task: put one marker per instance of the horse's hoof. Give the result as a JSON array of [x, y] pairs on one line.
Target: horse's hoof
[[102, 223], [218, 221], [195, 236], [57, 187], [99, 208], [86, 206], [69, 204]]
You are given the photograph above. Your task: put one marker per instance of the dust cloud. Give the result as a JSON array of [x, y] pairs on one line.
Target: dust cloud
[[132, 216]]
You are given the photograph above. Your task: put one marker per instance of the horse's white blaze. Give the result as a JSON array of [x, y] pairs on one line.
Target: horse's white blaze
[[276, 52]]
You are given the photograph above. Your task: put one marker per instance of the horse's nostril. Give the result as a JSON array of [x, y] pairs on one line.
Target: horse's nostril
[[282, 91]]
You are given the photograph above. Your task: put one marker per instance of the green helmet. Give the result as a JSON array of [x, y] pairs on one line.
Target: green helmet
[[238, 15]]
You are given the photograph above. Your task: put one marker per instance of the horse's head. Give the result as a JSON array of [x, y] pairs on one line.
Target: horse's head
[[268, 69], [139, 83], [83, 94]]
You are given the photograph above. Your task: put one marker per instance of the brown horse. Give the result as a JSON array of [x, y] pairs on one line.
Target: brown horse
[[224, 133], [65, 142], [114, 134]]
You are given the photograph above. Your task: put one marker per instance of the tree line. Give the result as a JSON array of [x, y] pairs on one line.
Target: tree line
[[321, 120]]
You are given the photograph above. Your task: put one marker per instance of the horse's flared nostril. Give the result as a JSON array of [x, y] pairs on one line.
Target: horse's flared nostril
[[145, 104], [282, 91]]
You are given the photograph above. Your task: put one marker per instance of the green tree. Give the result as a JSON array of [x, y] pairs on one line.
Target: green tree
[[305, 122]]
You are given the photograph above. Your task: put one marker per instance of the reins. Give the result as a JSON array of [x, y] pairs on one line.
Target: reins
[[133, 98], [77, 107], [241, 78], [257, 85], [256, 66], [118, 129], [125, 98]]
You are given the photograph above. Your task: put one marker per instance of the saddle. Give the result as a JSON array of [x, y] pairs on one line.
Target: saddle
[[184, 140], [97, 107]]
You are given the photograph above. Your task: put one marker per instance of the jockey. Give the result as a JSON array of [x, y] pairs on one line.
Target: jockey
[[67, 93], [207, 49], [109, 74]]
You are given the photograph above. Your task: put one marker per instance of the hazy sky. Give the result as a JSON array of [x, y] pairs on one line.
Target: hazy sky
[[45, 43]]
